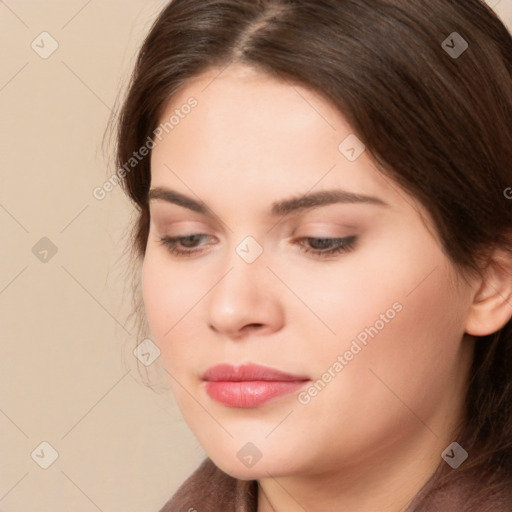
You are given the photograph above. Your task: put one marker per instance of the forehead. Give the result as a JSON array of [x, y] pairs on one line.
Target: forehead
[[248, 131]]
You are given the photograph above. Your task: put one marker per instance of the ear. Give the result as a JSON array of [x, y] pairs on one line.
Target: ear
[[491, 308]]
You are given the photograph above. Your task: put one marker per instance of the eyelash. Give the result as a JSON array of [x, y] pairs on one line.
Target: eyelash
[[341, 245]]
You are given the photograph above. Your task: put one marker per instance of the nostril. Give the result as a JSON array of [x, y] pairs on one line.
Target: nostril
[[253, 326]]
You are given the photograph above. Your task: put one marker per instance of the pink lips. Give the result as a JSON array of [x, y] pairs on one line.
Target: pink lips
[[249, 385]]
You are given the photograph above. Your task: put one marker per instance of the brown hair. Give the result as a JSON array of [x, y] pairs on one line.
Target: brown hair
[[438, 124]]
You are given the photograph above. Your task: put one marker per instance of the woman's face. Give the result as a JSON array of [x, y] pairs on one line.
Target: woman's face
[[296, 254]]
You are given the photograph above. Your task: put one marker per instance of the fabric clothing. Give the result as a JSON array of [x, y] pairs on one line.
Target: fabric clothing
[[209, 489]]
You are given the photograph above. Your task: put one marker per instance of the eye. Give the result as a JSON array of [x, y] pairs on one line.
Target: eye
[[190, 245], [324, 247], [184, 245]]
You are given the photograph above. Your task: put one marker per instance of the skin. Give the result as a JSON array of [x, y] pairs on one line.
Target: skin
[[373, 436]]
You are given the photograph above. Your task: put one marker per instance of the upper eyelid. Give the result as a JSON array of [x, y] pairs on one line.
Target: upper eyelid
[[294, 215], [164, 222]]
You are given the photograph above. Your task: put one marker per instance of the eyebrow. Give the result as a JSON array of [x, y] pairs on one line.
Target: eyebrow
[[295, 204]]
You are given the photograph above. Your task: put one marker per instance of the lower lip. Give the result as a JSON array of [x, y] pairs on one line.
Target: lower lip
[[247, 394]]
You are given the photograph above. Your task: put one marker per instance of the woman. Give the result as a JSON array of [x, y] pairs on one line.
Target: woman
[[324, 234]]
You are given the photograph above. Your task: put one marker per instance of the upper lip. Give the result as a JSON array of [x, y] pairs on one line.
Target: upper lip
[[248, 372]]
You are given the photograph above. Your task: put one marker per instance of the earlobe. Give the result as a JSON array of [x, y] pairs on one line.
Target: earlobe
[[491, 308]]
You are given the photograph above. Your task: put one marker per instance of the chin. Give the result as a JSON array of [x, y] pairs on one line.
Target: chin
[[263, 467]]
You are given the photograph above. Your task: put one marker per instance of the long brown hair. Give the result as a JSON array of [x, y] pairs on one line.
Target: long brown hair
[[439, 124]]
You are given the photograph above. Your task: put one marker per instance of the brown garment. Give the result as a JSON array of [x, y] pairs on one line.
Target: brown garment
[[209, 489]]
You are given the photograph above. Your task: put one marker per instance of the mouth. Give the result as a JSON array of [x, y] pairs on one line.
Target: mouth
[[249, 385]]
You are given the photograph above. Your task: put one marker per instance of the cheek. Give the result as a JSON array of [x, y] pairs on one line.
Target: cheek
[[157, 299], [403, 319], [390, 284], [366, 289], [171, 300], [164, 295], [394, 381], [413, 358]]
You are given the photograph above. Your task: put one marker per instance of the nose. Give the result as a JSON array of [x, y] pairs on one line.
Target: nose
[[245, 301]]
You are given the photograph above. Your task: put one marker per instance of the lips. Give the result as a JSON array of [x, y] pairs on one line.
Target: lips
[[248, 372], [249, 385]]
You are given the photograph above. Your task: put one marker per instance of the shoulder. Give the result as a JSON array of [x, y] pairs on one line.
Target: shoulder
[[208, 488]]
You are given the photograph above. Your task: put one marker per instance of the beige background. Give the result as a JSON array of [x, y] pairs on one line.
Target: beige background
[[68, 375]]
